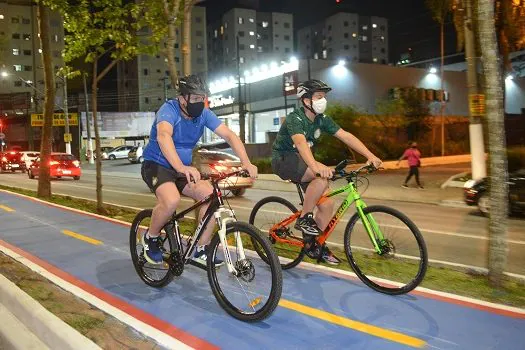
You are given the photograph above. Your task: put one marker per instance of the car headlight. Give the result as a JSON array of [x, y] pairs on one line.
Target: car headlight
[[469, 184]]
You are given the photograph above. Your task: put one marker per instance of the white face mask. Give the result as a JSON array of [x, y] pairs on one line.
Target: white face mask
[[319, 106]]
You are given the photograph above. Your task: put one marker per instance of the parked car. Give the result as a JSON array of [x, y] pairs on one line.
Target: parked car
[[118, 152], [220, 162], [135, 155], [103, 150], [28, 157], [61, 164], [11, 161], [476, 193]]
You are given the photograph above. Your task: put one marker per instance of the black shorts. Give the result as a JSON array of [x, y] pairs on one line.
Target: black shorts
[[290, 166], [155, 175]]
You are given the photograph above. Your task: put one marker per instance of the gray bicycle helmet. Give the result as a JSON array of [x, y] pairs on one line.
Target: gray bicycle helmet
[[309, 87], [193, 85]]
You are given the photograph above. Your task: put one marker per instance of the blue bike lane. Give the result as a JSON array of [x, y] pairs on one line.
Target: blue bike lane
[[320, 308]]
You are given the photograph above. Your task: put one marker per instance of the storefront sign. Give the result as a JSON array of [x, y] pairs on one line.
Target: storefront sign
[[219, 100], [58, 119]]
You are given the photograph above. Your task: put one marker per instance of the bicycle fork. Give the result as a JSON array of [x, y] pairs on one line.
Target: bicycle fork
[[222, 222]]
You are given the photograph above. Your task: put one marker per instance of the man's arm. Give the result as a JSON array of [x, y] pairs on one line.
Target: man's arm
[[236, 144], [356, 144]]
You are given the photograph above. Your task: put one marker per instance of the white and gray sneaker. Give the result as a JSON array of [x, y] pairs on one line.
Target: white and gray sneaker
[[307, 225], [201, 257]]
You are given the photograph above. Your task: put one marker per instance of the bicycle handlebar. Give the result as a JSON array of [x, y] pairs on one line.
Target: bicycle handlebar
[[218, 176], [340, 172]]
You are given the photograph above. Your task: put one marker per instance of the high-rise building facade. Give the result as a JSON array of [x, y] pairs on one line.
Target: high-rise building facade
[[144, 81], [347, 36], [262, 36]]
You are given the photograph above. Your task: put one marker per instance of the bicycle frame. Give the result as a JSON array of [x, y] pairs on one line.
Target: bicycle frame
[[217, 210], [353, 196]]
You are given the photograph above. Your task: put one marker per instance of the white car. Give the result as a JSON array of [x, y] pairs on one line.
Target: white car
[[119, 152], [28, 157], [135, 155]]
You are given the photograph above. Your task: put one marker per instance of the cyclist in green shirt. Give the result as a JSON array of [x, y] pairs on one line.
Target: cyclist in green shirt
[[293, 160]]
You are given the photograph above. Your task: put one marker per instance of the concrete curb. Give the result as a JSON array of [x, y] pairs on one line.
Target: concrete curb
[[38, 321]]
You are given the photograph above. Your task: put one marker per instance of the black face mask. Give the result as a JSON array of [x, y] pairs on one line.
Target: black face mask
[[195, 109]]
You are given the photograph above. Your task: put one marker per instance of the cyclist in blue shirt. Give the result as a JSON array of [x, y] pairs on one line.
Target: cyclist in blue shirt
[[178, 126]]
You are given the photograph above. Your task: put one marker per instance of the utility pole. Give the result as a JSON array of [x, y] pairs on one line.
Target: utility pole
[[242, 117], [477, 147], [68, 138], [89, 144]]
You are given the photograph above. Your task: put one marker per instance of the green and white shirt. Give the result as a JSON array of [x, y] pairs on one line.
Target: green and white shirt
[[298, 123]]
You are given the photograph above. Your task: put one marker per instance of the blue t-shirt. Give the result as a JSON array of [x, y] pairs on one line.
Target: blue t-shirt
[[186, 133]]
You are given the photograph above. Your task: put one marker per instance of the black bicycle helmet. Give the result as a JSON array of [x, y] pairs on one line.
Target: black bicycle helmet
[[193, 85], [309, 87]]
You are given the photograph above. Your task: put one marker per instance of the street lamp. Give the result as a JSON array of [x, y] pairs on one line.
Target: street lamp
[[341, 63], [432, 70]]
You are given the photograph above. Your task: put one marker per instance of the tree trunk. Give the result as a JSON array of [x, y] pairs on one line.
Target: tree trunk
[[497, 258], [477, 148], [44, 183], [98, 161], [186, 37], [169, 52], [442, 98]]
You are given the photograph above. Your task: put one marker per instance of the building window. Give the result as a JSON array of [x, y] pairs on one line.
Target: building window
[[18, 83], [251, 20], [198, 33], [215, 33], [330, 27], [17, 67], [145, 71], [158, 70], [316, 56], [27, 52], [264, 24], [16, 36], [346, 35], [177, 59], [28, 68], [252, 33], [1, 16], [56, 38], [227, 51], [55, 23], [26, 21], [276, 22], [241, 21], [176, 45], [241, 47], [354, 35], [374, 59], [374, 25], [365, 27], [383, 50], [241, 33], [345, 23], [364, 38], [15, 20], [252, 46], [329, 50], [222, 30], [265, 36], [226, 25], [287, 37], [241, 59], [199, 47], [325, 54], [146, 100], [347, 47], [382, 28], [382, 38], [276, 35], [329, 39], [277, 48], [259, 49], [286, 25], [198, 19], [287, 50]]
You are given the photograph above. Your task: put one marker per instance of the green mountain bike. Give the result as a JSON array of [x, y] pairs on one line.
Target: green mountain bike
[[383, 246]]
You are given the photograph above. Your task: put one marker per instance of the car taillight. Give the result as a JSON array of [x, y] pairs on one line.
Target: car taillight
[[219, 168], [4, 159], [76, 163], [53, 162]]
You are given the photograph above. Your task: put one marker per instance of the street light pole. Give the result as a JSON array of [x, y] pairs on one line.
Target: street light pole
[[68, 142], [242, 122]]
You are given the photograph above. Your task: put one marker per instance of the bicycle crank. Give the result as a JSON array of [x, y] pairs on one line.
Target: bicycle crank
[[176, 263]]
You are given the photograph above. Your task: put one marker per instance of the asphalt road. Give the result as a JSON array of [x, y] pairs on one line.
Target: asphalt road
[[453, 235]]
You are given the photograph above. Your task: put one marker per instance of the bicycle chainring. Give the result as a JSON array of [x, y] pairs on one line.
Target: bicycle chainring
[[176, 263], [314, 250]]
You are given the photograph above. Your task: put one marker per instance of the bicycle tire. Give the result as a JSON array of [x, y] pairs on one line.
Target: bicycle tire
[[144, 214], [273, 263], [252, 220], [390, 289]]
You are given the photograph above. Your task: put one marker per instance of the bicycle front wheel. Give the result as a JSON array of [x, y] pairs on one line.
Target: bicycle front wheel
[[266, 215], [251, 292], [401, 264]]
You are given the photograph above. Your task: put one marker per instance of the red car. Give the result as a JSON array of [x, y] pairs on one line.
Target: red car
[[61, 164]]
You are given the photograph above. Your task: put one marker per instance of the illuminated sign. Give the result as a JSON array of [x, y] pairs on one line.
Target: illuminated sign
[[219, 100]]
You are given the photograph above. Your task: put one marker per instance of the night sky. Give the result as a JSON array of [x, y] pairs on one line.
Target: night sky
[[410, 22]]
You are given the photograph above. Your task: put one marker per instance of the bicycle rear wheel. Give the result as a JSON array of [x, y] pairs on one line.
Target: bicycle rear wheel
[[252, 292], [265, 215], [155, 275], [402, 263]]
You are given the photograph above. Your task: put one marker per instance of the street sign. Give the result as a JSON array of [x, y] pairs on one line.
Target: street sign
[[2, 136], [476, 103], [68, 137], [58, 119]]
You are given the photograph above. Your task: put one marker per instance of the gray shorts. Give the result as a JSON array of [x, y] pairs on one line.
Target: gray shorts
[[290, 166]]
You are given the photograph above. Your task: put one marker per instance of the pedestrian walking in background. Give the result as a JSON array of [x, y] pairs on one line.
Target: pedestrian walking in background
[[413, 157]]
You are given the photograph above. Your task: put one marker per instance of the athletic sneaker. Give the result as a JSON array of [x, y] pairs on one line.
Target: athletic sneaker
[[307, 225], [420, 187], [404, 185], [152, 251], [329, 257], [201, 256]]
